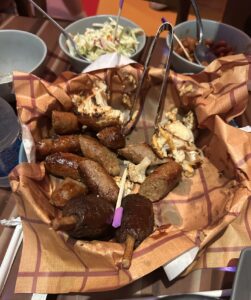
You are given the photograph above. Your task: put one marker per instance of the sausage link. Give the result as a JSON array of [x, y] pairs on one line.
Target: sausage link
[[112, 137], [98, 180], [97, 123], [137, 152], [64, 122], [93, 149], [65, 143], [63, 165], [161, 181]]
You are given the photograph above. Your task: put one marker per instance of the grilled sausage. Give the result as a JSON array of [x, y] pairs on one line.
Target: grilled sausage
[[161, 181], [136, 152], [64, 122], [112, 137], [66, 143], [63, 165], [92, 148], [67, 190], [97, 123], [98, 180]]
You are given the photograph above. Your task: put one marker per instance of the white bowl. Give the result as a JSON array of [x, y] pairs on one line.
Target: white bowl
[[80, 26], [19, 51], [237, 39]]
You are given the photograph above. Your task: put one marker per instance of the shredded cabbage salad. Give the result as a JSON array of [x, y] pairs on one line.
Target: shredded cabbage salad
[[99, 40]]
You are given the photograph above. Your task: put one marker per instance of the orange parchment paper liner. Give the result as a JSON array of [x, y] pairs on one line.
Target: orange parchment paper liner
[[210, 210]]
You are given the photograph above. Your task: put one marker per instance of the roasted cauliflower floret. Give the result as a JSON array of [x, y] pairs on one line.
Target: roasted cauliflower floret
[[137, 173], [96, 104], [174, 138]]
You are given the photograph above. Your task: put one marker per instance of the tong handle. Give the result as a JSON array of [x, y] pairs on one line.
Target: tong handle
[[161, 100], [135, 110]]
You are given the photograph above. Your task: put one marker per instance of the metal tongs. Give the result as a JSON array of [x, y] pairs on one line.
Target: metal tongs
[[202, 53], [137, 106]]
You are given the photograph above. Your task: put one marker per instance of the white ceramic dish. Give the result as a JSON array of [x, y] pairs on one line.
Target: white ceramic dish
[[19, 51]]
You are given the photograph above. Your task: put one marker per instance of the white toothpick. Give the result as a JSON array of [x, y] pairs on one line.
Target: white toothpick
[[121, 2], [182, 47], [119, 209]]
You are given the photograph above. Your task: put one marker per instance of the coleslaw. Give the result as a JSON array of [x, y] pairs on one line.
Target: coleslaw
[[100, 40]]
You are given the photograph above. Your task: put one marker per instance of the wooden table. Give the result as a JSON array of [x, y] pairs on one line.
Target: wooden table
[[155, 283]]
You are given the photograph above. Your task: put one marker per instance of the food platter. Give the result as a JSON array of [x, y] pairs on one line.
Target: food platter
[[178, 216]]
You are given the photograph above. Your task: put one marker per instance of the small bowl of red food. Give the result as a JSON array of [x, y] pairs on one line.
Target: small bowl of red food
[[221, 38]]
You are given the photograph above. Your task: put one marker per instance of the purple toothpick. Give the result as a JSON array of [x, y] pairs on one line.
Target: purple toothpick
[[118, 214], [121, 2], [163, 20]]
